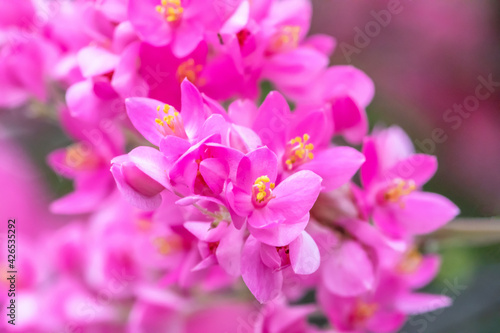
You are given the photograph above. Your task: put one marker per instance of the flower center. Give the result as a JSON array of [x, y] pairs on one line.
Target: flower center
[[262, 190], [399, 189], [286, 39], [212, 246], [242, 36], [168, 244], [80, 157], [171, 10], [144, 224], [364, 311], [191, 71], [410, 262], [171, 122], [298, 151]]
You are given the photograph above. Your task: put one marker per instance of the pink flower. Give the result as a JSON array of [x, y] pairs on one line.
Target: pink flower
[[219, 241], [301, 142], [156, 120], [87, 163], [383, 311], [178, 22], [276, 214], [263, 266], [392, 177]]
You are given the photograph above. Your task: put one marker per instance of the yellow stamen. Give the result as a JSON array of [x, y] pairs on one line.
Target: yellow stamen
[[162, 245], [410, 262], [399, 189], [171, 10], [190, 70], [260, 185], [287, 38], [168, 244], [364, 311], [169, 119], [299, 151]]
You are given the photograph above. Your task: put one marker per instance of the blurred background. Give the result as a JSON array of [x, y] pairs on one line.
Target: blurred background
[[436, 67], [427, 59]]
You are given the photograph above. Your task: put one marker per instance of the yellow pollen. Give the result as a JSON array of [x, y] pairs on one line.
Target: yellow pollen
[[299, 151], [364, 311], [80, 157], [166, 245], [190, 70], [399, 189], [162, 245], [143, 224], [171, 10], [260, 185], [287, 38], [168, 119], [410, 262]]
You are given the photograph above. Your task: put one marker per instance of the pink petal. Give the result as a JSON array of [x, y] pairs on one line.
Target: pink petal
[[425, 212], [323, 43], [126, 79], [349, 119], [141, 201], [270, 257], [153, 163], [90, 67], [205, 263], [264, 218], [148, 23], [238, 20], [215, 172], [426, 272], [418, 167], [296, 195], [142, 113], [242, 112], [187, 37], [335, 165], [193, 114], [240, 201], [304, 254], [277, 234], [272, 120], [173, 147], [229, 252], [384, 321], [348, 80], [260, 162], [262, 281], [369, 170], [348, 271]]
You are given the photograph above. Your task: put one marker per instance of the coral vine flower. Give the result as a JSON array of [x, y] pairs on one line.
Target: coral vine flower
[[304, 143], [262, 265], [392, 179], [276, 214], [156, 120], [182, 23]]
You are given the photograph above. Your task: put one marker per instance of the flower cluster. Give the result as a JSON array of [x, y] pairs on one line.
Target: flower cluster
[[187, 188]]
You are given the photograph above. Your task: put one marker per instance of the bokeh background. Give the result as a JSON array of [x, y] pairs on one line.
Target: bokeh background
[[426, 58]]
